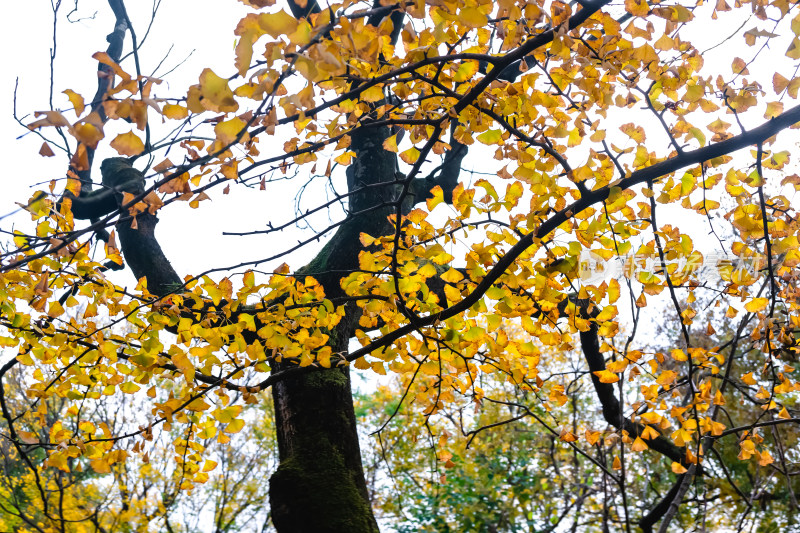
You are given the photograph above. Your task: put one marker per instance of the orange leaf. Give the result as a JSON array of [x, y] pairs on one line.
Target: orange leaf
[[606, 376], [46, 151], [128, 144], [105, 59], [678, 468], [89, 134]]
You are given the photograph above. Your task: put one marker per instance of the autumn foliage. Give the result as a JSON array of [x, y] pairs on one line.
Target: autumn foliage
[[469, 159]]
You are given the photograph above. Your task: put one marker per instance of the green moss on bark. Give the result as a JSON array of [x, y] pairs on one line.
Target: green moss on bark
[[318, 471]]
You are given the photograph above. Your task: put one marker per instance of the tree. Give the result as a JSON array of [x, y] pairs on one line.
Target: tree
[[554, 92], [144, 496], [490, 467]]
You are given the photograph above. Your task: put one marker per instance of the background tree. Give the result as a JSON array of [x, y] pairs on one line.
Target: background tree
[[145, 495], [554, 92]]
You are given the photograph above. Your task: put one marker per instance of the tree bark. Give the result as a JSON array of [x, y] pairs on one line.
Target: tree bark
[[319, 485]]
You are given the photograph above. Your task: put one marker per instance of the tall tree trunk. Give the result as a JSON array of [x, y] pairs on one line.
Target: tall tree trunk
[[319, 485]]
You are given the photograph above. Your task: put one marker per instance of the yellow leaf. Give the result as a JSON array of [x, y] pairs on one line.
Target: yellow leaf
[[207, 432], [606, 376], [127, 144], [665, 42], [76, 100], [719, 126], [756, 304], [345, 158], [749, 379], [55, 310], [694, 93], [617, 464], [639, 445], [613, 291], [773, 109], [89, 134], [410, 156], [58, 460], [678, 355], [373, 94], [697, 133], [228, 414], [100, 466], [366, 239], [437, 197], [235, 426], [129, 387], [472, 17], [491, 137], [244, 51], [634, 132], [302, 33], [452, 276], [174, 111], [390, 144], [678, 468], [466, 70], [637, 8], [197, 405], [277, 24], [228, 130], [214, 94], [308, 68]]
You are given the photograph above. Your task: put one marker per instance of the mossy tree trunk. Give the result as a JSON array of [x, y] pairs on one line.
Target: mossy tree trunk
[[319, 485]]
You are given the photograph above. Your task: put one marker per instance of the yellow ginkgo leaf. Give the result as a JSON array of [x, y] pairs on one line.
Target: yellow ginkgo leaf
[[127, 144]]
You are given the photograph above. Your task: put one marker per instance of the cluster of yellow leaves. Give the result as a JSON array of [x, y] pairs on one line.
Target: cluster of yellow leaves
[[73, 353], [88, 130]]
